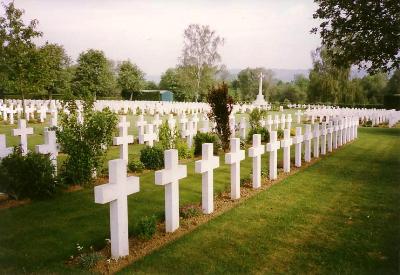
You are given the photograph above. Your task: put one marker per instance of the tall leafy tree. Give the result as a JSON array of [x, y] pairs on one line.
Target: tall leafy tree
[[93, 76], [54, 65], [130, 79], [200, 55], [19, 58], [170, 80], [328, 82], [362, 32], [393, 86]]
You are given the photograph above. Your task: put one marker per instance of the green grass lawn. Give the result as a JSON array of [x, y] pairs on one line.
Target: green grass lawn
[[339, 216], [40, 236]]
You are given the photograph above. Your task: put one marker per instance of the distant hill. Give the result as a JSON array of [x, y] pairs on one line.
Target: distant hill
[[285, 75]]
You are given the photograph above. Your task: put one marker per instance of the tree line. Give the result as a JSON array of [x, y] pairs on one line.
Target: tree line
[[31, 71]]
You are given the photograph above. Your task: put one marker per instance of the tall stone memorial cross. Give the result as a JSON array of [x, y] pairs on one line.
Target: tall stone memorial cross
[[242, 128], [205, 167], [234, 158], [316, 136], [169, 177], [255, 152], [149, 137], [324, 132], [50, 146], [124, 139], [23, 132], [297, 140], [285, 144], [4, 151], [330, 135], [307, 143], [273, 147], [116, 193], [140, 123]]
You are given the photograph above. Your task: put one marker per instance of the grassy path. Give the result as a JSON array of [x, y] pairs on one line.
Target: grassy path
[[342, 215]]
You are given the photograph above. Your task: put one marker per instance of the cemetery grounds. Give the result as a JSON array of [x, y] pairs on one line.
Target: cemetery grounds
[[339, 215]]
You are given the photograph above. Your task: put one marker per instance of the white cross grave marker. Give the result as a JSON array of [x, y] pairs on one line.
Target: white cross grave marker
[[307, 143], [330, 135], [116, 193], [234, 158], [242, 128], [50, 146], [324, 132], [255, 152], [297, 140], [316, 135], [205, 166], [285, 144], [140, 123], [4, 151], [23, 132], [149, 137], [169, 177], [124, 139], [273, 147]]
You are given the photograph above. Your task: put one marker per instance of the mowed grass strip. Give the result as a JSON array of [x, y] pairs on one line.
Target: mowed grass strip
[[341, 215]]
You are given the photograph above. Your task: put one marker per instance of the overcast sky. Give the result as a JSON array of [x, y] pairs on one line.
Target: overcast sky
[[272, 34]]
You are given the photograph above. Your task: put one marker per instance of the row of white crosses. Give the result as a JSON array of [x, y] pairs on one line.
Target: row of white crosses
[[120, 186]]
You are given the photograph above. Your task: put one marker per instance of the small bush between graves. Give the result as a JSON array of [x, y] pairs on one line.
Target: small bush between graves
[[255, 117], [136, 166], [368, 123], [152, 157], [189, 211], [184, 152], [292, 132], [260, 130], [221, 104], [87, 260], [201, 138], [146, 227], [85, 143], [280, 133], [29, 176], [167, 138]]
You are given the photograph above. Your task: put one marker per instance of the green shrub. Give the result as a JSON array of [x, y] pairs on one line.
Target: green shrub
[[152, 157], [368, 123], [30, 176], [146, 227], [86, 143], [261, 130], [167, 138], [255, 117], [189, 211], [136, 166], [184, 152], [280, 133], [201, 138], [221, 104]]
